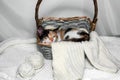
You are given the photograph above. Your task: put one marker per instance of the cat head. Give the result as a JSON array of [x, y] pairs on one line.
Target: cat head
[[46, 33]]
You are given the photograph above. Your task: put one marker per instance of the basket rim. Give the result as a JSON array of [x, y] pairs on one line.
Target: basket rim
[[64, 18]]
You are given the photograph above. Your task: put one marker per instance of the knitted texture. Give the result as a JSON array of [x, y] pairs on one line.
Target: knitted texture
[[67, 63], [69, 58]]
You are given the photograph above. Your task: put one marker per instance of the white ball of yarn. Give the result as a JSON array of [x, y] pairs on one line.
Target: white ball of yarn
[[37, 60], [26, 70]]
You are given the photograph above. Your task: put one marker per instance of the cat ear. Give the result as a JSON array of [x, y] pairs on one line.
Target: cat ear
[[40, 30]]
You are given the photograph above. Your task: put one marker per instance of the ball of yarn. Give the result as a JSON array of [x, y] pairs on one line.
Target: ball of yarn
[[37, 60], [26, 70]]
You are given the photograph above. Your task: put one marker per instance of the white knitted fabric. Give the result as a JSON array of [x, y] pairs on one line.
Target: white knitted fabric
[[69, 59], [98, 54], [67, 63], [26, 70], [36, 60], [32, 64]]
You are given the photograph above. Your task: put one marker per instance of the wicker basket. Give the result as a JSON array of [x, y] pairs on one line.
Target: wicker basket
[[44, 48]]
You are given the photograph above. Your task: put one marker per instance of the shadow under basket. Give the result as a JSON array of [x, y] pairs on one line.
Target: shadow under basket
[[62, 24]]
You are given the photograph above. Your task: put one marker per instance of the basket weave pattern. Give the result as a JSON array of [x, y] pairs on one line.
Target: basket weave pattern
[[90, 25]]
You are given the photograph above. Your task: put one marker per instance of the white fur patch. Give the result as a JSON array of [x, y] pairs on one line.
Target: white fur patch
[[74, 33]]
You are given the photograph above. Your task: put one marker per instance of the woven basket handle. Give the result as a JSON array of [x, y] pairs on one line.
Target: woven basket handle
[[93, 21]]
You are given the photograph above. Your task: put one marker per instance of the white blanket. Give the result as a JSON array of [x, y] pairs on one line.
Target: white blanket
[[69, 58], [11, 59], [15, 51]]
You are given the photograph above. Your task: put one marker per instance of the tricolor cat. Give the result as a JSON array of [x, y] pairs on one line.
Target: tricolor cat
[[52, 34]]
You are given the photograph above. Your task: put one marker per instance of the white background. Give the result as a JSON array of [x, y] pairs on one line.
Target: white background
[[17, 16]]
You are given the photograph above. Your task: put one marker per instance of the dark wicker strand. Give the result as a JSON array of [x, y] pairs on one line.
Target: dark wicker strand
[[36, 13], [95, 11]]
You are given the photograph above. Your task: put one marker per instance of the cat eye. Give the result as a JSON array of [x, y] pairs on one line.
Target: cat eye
[[45, 37], [54, 36]]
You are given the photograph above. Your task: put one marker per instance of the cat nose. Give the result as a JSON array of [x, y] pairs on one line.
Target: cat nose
[[51, 39]]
